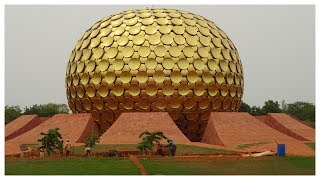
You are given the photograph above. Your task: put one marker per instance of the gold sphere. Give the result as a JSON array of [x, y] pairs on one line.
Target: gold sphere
[[155, 60]]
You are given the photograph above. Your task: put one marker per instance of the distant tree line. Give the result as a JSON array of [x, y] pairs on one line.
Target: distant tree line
[[43, 110], [302, 110]]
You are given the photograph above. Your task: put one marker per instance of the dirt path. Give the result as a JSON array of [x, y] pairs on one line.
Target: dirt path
[[135, 160]]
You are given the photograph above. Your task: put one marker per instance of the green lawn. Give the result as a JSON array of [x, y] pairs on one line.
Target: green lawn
[[293, 165], [244, 146], [71, 166], [231, 166]]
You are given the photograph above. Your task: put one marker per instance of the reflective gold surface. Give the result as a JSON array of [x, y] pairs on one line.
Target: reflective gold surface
[[155, 60]]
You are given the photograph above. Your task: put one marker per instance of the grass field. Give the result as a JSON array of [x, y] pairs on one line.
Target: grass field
[[163, 166], [230, 166], [71, 166]]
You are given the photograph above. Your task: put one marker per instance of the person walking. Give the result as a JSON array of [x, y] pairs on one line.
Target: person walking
[[171, 148], [67, 148]]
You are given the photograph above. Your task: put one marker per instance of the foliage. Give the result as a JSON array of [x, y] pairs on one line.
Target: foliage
[[11, 113], [271, 107], [302, 110], [244, 107], [148, 139], [47, 110], [91, 140], [257, 111], [51, 140]]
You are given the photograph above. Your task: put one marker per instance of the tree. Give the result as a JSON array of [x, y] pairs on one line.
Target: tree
[[302, 110], [256, 111], [271, 107], [244, 107], [51, 140], [91, 140], [12, 113], [47, 110], [148, 139]]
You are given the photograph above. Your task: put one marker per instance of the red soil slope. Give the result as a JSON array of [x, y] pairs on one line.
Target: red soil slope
[[34, 122], [75, 127], [238, 129], [128, 126], [19, 123], [286, 124]]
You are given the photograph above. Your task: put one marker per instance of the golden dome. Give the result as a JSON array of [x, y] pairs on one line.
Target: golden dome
[[155, 60]]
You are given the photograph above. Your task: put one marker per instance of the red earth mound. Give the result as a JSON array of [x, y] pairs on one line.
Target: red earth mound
[[245, 132], [23, 124], [290, 126], [129, 126], [75, 127]]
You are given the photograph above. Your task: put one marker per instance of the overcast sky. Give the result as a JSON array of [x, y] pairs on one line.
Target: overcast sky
[[276, 45]]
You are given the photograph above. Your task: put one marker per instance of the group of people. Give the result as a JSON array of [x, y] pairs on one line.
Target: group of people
[[67, 148], [171, 148]]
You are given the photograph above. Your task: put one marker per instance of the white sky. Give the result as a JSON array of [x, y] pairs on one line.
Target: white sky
[[276, 45]]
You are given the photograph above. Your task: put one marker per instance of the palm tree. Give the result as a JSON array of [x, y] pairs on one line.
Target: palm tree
[[51, 140], [148, 139]]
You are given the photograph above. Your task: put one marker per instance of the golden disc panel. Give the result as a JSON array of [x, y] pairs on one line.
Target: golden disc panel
[[159, 76], [199, 89], [142, 76], [144, 51], [103, 91], [107, 115], [176, 76], [220, 77], [103, 65], [128, 103], [109, 77], [87, 103], [175, 102], [207, 77], [117, 64], [174, 51], [161, 103], [122, 41], [160, 51], [144, 103], [125, 77], [189, 103], [112, 103], [183, 64], [224, 91], [198, 64], [213, 89], [134, 89], [98, 103], [204, 103], [154, 39], [168, 89], [155, 59], [96, 78], [183, 89], [91, 91], [118, 89], [188, 51], [168, 63], [127, 51], [192, 76], [134, 64], [151, 63], [151, 89], [80, 91], [216, 104], [226, 103]]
